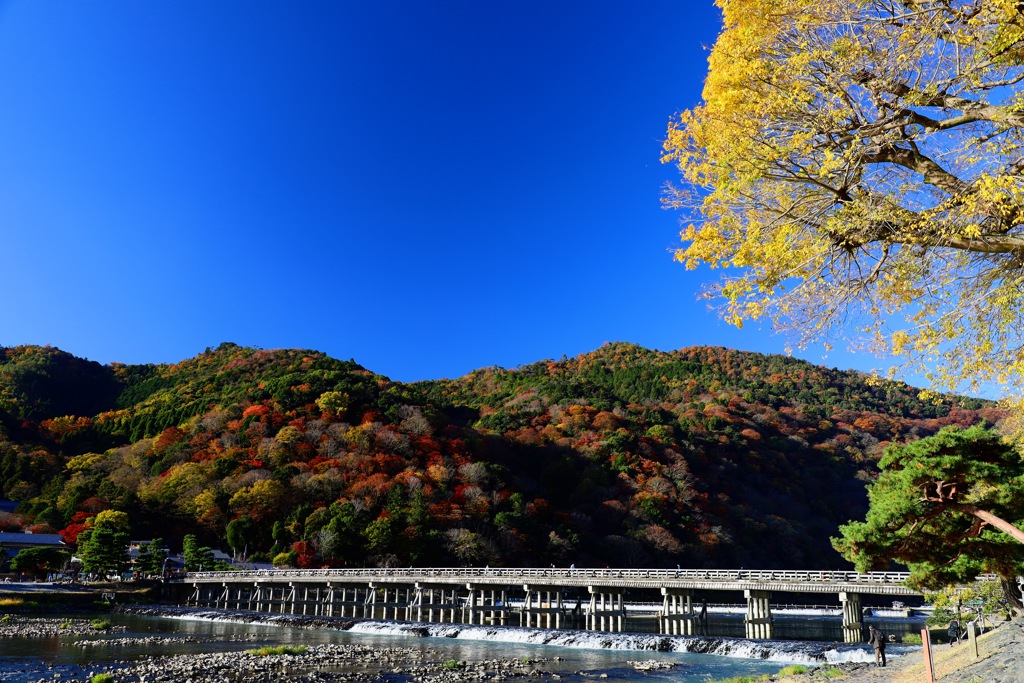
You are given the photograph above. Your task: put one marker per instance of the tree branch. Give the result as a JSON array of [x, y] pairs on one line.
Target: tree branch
[[983, 515]]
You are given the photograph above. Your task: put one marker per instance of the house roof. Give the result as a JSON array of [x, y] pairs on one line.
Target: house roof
[[31, 540]]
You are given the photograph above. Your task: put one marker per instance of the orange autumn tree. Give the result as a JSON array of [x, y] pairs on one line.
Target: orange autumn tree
[[856, 164]]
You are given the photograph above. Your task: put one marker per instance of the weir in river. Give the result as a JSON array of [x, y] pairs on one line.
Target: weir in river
[[600, 599]]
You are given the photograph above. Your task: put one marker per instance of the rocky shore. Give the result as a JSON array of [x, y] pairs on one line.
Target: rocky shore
[[318, 664], [24, 627], [147, 640]]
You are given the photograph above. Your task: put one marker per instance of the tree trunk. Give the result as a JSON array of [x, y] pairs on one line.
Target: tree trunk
[[1012, 593]]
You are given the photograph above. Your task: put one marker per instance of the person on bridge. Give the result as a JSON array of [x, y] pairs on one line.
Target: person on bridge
[[877, 640]]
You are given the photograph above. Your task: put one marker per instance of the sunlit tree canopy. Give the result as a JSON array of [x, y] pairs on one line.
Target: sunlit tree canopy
[[856, 168]]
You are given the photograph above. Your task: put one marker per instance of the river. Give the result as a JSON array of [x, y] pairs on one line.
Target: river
[[573, 656]]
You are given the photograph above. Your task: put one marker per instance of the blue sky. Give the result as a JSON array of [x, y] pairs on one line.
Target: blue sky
[[425, 187]]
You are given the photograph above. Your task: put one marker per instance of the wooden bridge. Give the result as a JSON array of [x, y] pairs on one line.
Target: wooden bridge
[[472, 595]]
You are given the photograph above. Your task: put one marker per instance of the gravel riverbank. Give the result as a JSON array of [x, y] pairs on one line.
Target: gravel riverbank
[[13, 626], [318, 664]]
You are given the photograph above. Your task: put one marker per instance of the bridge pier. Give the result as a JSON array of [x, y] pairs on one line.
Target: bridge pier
[[351, 605], [758, 621], [452, 604], [390, 603], [677, 615], [607, 612], [497, 613], [542, 602], [853, 618], [442, 600]]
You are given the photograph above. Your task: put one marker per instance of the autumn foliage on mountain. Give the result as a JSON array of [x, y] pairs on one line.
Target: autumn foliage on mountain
[[623, 456]]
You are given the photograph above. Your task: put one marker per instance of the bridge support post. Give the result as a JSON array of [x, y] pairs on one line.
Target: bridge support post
[[758, 622], [677, 616], [853, 618], [607, 612], [327, 605], [417, 602], [469, 615], [370, 602], [542, 607]]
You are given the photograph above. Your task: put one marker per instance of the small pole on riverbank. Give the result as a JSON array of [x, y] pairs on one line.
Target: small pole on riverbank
[[972, 638], [926, 641]]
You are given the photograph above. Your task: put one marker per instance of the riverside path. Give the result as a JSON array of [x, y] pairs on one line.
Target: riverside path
[[485, 595]]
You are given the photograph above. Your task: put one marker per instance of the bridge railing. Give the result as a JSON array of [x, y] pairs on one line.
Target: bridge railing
[[580, 576]]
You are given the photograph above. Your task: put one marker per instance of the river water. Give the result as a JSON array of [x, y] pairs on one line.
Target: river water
[[696, 659]]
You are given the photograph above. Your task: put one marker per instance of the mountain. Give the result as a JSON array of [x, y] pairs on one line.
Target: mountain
[[622, 456]]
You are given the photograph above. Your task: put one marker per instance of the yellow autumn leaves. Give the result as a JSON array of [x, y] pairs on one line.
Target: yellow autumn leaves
[[855, 166]]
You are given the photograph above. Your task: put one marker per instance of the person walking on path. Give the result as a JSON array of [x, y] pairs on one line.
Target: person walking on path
[[877, 640], [954, 632]]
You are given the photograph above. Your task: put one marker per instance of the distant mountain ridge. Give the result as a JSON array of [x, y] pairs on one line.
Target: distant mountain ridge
[[701, 456]]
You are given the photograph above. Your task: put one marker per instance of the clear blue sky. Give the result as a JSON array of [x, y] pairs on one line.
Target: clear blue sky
[[425, 187]]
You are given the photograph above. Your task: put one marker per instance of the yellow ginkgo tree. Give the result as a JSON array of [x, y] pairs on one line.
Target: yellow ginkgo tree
[[855, 169]]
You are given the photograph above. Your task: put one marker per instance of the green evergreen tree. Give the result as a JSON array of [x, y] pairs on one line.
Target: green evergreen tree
[[950, 506], [197, 557], [39, 561], [104, 551], [151, 557]]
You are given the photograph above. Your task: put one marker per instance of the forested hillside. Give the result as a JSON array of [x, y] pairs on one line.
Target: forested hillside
[[699, 457]]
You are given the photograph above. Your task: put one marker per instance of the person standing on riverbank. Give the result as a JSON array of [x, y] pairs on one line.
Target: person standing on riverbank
[[877, 640]]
